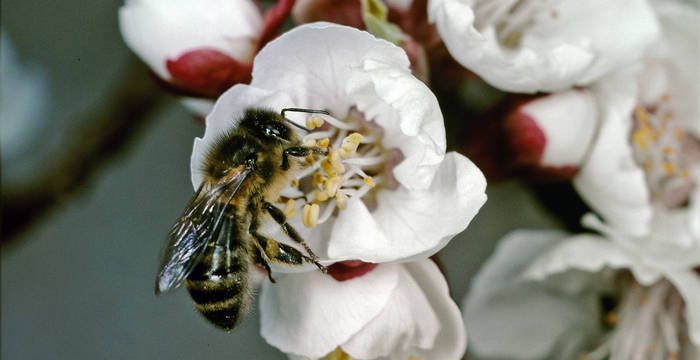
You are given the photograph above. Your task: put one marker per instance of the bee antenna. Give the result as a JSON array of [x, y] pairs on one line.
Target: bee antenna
[[310, 111]]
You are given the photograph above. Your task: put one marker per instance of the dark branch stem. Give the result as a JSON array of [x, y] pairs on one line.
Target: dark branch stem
[[102, 134]]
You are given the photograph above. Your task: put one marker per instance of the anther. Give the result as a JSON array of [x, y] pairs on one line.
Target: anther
[[334, 158], [321, 195], [309, 215], [295, 183], [313, 122], [332, 184], [350, 144], [324, 142], [289, 209], [341, 200], [369, 181]]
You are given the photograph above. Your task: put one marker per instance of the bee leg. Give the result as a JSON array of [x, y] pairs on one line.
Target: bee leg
[[262, 260], [299, 151], [276, 252], [281, 219]]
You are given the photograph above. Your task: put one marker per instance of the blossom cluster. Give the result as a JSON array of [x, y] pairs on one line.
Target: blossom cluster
[[600, 94]]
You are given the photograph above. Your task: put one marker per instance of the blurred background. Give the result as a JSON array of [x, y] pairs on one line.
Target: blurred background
[[95, 169]]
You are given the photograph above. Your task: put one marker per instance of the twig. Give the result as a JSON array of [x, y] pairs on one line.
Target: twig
[[104, 133]]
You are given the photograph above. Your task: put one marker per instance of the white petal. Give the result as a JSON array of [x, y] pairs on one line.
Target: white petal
[[310, 314], [509, 318], [688, 285], [410, 224], [225, 116], [590, 253], [365, 72], [585, 40], [157, 30], [451, 341], [568, 120], [407, 323], [611, 182], [679, 52]]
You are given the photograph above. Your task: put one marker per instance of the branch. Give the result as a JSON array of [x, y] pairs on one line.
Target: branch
[[104, 133]]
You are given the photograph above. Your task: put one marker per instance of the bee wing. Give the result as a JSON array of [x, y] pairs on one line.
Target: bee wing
[[199, 223]]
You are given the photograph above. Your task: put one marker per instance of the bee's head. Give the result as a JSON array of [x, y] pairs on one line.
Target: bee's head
[[266, 125]]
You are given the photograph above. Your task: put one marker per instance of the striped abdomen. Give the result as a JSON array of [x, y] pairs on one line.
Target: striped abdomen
[[219, 283]]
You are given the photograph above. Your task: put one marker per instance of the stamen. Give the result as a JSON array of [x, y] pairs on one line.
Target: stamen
[[289, 209], [350, 144], [510, 18], [341, 200], [657, 142], [313, 122], [309, 215], [330, 180], [321, 196], [332, 184]]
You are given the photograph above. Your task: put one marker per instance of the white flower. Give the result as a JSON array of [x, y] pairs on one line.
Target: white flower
[[641, 162], [510, 317], [386, 192], [624, 134], [397, 311], [200, 47], [663, 261], [530, 46], [514, 294], [365, 83]]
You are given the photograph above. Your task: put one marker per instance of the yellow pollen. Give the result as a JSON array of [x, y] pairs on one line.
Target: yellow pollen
[[332, 184], [685, 174], [664, 97], [669, 167], [321, 195], [640, 113], [295, 183], [324, 142], [667, 150], [341, 200], [369, 181], [313, 122], [350, 144], [641, 135], [310, 143], [334, 159], [309, 215], [648, 166], [318, 179], [611, 318], [327, 166], [309, 160], [289, 210]]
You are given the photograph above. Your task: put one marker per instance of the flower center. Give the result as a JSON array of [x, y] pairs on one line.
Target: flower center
[[658, 144], [355, 168], [510, 18], [648, 324]]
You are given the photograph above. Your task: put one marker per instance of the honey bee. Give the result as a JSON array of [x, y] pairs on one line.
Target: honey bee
[[215, 244]]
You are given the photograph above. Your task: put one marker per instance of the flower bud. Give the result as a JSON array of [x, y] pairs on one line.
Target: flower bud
[[200, 48], [546, 136]]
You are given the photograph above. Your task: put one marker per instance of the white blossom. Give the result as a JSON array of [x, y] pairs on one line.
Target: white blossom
[[530, 46]]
